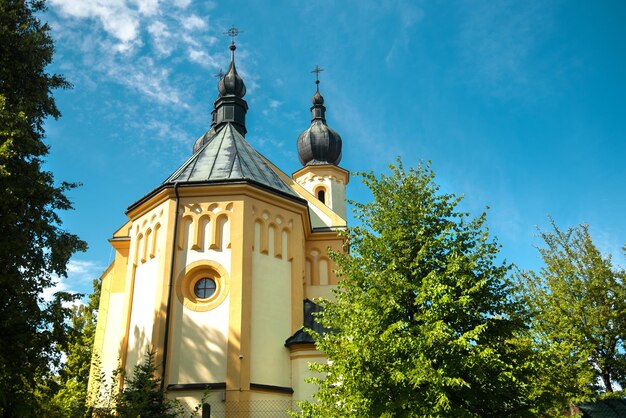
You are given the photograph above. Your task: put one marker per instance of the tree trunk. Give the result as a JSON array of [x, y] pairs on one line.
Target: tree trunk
[[606, 379]]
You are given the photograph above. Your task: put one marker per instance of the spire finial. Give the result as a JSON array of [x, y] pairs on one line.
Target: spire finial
[[232, 32], [319, 144], [317, 72], [230, 83]]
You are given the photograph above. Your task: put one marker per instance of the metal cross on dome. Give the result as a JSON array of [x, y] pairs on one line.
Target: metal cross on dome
[[317, 72], [233, 32]]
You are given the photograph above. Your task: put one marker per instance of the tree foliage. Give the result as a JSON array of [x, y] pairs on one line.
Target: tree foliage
[[578, 300], [142, 395], [33, 246], [423, 323], [69, 399]]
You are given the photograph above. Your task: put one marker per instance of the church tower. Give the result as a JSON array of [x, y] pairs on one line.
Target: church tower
[[319, 151], [216, 269]]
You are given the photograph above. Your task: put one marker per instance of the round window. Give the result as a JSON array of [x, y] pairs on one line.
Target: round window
[[204, 288]]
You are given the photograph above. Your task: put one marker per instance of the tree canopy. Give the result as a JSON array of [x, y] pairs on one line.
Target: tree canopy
[[425, 322], [33, 246], [578, 302]]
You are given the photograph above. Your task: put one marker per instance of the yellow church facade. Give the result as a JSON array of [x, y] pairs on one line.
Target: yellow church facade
[[216, 269]]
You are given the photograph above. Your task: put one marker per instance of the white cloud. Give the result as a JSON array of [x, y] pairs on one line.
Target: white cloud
[[161, 37], [183, 4], [149, 79], [193, 22], [80, 274], [133, 43], [117, 19], [147, 7], [202, 58], [274, 104]]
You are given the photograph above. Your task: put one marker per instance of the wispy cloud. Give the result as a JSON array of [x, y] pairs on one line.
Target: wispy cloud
[[135, 43], [80, 274], [193, 22], [498, 43], [140, 55], [409, 15]]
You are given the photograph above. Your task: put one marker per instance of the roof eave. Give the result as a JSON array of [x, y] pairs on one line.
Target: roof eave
[[257, 184]]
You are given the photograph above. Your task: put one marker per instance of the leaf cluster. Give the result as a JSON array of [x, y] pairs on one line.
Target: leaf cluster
[[578, 303], [424, 322]]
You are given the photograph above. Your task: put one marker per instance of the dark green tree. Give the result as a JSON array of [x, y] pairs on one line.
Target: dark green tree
[[142, 395], [33, 246], [424, 322], [578, 301]]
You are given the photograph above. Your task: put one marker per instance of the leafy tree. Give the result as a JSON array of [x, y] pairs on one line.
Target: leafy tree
[[33, 247], [70, 400], [578, 300], [424, 322]]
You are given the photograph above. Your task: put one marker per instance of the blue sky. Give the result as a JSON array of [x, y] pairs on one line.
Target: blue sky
[[520, 106]]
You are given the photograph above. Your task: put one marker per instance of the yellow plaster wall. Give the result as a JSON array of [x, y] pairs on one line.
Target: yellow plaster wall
[[110, 328], [300, 360], [142, 314], [331, 179], [199, 339], [320, 277], [147, 274], [198, 345], [271, 320], [277, 267]]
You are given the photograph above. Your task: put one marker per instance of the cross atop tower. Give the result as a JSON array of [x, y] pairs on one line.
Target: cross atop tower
[[317, 72], [233, 32]]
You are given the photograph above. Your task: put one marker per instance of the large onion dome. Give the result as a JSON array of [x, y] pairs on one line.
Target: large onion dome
[[232, 84]]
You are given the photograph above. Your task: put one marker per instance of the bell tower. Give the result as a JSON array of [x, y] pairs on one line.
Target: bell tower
[[319, 151]]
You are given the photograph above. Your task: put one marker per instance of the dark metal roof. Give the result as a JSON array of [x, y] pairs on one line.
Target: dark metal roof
[[319, 144], [231, 83], [227, 156], [607, 408], [301, 336]]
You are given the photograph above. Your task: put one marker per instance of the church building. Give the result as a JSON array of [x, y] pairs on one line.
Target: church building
[[217, 268]]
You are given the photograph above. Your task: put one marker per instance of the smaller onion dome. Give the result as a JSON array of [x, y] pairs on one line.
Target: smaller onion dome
[[317, 99], [231, 84], [319, 144]]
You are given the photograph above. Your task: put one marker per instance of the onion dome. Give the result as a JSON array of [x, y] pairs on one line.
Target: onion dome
[[319, 144], [317, 99], [231, 84]]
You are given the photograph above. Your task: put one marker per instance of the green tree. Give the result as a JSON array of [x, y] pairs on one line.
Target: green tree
[[424, 322], [70, 399], [33, 246], [142, 395], [578, 300]]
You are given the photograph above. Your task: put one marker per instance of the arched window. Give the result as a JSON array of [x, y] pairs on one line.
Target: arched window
[[321, 195]]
